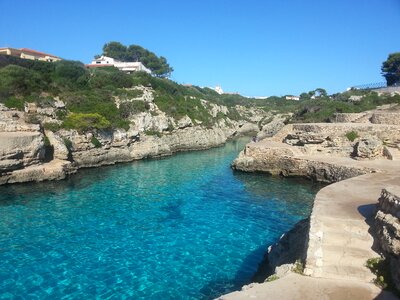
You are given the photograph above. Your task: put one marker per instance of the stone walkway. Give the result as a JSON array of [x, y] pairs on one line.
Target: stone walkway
[[340, 242], [298, 287]]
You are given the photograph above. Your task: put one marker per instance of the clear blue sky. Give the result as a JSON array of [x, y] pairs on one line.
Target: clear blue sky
[[255, 47]]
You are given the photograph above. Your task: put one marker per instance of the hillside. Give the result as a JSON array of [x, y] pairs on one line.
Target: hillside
[[58, 117]]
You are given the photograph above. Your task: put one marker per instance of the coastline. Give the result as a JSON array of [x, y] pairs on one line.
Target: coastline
[[340, 237], [188, 139]]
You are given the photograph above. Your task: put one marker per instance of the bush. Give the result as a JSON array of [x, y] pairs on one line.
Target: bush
[[52, 126], [16, 80], [68, 144], [272, 278], [380, 267], [351, 136], [85, 122], [109, 76], [95, 142], [47, 141], [298, 267], [126, 109], [14, 102], [153, 132]]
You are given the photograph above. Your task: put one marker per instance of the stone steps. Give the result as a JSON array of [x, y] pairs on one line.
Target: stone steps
[[392, 151], [348, 272]]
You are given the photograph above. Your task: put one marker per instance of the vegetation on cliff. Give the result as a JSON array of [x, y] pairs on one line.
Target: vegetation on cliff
[[93, 91]]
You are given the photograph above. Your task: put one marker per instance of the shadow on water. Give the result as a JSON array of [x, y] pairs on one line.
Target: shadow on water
[[223, 286]]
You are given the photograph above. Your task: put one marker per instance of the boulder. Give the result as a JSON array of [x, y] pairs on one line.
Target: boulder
[[368, 148]]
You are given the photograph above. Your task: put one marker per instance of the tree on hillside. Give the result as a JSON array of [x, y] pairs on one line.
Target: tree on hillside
[[158, 65], [391, 69], [115, 50], [304, 96], [320, 92]]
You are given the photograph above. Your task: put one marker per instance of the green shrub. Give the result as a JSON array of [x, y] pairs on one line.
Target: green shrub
[[68, 144], [272, 278], [298, 267], [233, 114], [127, 109], [351, 136], [14, 102], [380, 267], [85, 122], [153, 132], [95, 142], [51, 126], [61, 114], [46, 141]]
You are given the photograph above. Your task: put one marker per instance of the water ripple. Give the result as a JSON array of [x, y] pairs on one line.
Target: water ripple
[[186, 227]]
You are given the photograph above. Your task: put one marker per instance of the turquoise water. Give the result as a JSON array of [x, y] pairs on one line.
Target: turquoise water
[[184, 227]]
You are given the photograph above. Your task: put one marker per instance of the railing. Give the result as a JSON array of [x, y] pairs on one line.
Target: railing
[[378, 86], [370, 86]]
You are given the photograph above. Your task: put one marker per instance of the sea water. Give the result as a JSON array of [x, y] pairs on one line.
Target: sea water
[[184, 227]]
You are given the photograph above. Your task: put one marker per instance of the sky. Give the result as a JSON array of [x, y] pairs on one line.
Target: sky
[[253, 47]]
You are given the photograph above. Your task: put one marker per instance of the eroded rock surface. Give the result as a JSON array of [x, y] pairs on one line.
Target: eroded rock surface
[[387, 227]]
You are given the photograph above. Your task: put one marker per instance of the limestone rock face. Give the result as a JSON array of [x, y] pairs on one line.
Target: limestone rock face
[[147, 122], [282, 161], [281, 257], [191, 138], [386, 118], [60, 150], [271, 128], [247, 128], [113, 148], [20, 149], [184, 122], [152, 133], [368, 148], [215, 109], [387, 227]]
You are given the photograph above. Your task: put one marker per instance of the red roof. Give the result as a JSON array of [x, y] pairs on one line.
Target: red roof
[[36, 52]]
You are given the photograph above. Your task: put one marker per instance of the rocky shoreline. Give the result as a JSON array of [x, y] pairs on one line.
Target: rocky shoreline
[[30, 150], [339, 237]]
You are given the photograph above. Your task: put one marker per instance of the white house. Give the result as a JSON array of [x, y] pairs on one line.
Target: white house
[[295, 98], [218, 89], [105, 61]]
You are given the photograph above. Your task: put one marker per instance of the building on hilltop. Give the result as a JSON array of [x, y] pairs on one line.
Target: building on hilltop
[[128, 67], [218, 89], [29, 54], [295, 98]]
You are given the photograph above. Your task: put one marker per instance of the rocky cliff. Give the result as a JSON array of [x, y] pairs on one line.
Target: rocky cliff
[[29, 152], [359, 159], [387, 227]]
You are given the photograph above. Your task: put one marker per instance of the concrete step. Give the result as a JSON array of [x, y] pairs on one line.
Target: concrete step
[[392, 152], [336, 271]]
